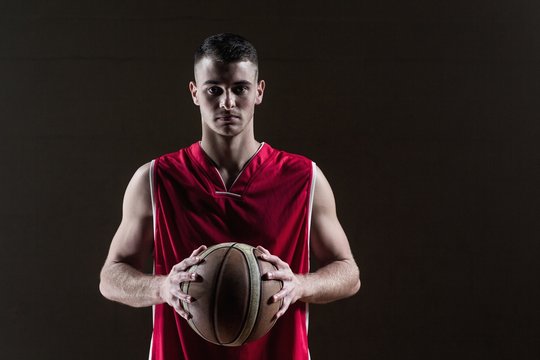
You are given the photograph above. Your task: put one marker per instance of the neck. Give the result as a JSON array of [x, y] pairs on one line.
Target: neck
[[229, 154]]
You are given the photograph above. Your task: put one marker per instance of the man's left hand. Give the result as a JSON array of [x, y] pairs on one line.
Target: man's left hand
[[292, 283]]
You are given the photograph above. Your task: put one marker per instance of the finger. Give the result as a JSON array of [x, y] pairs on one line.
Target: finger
[[274, 260], [283, 275], [181, 296], [267, 256], [260, 248], [281, 294], [191, 260], [284, 307], [183, 276], [198, 250], [186, 263], [180, 310]]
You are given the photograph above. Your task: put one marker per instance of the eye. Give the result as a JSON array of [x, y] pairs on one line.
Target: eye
[[240, 90], [215, 91]]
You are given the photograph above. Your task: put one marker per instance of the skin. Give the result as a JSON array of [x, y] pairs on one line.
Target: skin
[[226, 95]]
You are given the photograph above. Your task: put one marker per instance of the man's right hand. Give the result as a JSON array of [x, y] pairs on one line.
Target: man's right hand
[[170, 287]]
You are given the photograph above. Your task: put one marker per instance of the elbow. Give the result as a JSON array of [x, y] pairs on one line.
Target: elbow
[[351, 283], [356, 287], [357, 283], [104, 287]]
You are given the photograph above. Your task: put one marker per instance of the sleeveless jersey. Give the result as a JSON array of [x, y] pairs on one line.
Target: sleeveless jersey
[[268, 204]]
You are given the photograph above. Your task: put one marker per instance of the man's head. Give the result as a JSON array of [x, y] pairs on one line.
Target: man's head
[[226, 86], [226, 48]]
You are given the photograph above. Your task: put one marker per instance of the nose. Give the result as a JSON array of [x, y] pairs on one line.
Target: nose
[[227, 101]]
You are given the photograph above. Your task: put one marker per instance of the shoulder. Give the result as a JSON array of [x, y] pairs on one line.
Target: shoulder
[[143, 170], [174, 158], [137, 195], [141, 177], [292, 160]]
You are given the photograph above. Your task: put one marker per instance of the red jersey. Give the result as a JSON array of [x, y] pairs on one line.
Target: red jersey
[[268, 204]]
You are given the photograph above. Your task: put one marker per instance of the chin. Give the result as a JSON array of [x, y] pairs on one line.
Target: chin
[[229, 129]]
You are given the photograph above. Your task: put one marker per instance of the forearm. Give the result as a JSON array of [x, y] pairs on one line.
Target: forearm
[[337, 280], [123, 283]]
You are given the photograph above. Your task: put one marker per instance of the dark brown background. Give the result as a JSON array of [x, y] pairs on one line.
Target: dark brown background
[[423, 115]]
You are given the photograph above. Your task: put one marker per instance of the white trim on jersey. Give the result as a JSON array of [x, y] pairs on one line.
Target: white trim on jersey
[[228, 193], [151, 181], [311, 196], [237, 176]]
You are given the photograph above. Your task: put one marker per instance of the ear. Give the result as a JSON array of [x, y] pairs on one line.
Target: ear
[[260, 92], [193, 91]]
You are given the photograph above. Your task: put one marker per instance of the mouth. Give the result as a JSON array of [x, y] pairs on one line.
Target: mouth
[[227, 117]]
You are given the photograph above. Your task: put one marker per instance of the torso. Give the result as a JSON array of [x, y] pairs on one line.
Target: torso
[[268, 203]]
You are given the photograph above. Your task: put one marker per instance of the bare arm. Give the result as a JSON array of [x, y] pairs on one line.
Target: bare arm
[[122, 277], [338, 277]]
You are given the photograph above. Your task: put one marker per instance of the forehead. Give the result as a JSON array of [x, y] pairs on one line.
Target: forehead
[[208, 70]]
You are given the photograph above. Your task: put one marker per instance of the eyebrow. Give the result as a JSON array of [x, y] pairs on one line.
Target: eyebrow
[[215, 82]]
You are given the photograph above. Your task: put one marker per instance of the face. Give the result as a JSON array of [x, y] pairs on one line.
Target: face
[[227, 95]]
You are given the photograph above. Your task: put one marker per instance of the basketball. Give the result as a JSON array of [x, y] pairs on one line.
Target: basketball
[[232, 303]]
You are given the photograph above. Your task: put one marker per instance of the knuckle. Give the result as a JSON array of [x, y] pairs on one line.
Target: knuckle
[[187, 276], [179, 267]]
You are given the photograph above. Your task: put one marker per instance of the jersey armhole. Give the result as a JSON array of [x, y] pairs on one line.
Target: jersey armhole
[[152, 198], [310, 211], [311, 196]]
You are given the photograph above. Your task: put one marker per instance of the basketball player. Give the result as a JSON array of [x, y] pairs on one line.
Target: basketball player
[[228, 187]]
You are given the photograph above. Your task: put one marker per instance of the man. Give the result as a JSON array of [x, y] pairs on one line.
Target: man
[[228, 187]]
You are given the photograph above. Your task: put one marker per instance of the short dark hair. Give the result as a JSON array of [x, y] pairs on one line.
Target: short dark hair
[[226, 48]]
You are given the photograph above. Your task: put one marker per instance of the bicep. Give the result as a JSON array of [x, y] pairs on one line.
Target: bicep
[[328, 239], [132, 244]]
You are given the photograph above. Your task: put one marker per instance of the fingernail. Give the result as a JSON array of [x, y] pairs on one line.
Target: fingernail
[[192, 276]]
